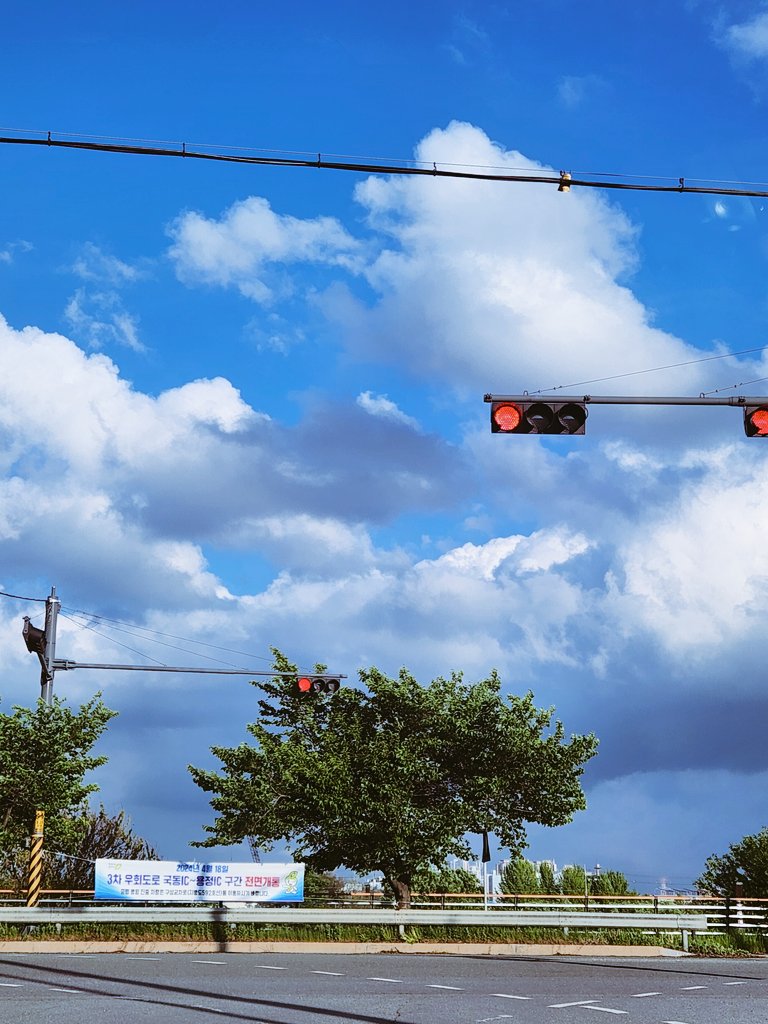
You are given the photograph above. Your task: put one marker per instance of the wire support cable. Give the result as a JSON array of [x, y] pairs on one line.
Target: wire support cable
[[655, 369], [174, 647], [133, 650]]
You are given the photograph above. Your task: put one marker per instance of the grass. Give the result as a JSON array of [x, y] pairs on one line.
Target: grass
[[733, 944]]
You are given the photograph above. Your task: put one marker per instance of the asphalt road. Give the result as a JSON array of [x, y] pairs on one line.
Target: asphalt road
[[297, 988]]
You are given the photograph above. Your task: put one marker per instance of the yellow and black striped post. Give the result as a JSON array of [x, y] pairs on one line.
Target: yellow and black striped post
[[35, 876]]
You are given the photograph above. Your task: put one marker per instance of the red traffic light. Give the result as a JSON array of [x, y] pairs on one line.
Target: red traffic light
[[540, 417], [505, 417], [317, 684], [756, 421]]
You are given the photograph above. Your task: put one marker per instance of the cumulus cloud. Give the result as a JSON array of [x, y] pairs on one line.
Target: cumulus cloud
[[501, 286], [242, 247]]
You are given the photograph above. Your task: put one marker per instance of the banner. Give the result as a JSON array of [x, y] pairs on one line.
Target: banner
[[168, 881]]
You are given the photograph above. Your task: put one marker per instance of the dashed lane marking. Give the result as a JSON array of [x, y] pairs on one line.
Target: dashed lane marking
[[392, 981], [72, 991], [450, 988], [261, 967], [561, 1006], [644, 995], [734, 983], [220, 962], [9, 984], [605, 1009], [331, 974], [692, 988], [506, 995], [147, 958]]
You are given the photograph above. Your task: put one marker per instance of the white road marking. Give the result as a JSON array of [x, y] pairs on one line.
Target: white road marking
[[691, 988], [673, 1022], [642, 995], [560, 1006], [222, 962], [9, 984], [506, 995], [734, 983], [72, 991], [605, 1009], [331, 974], [149, 958], [262, 967], [451, 988], [392, 981]]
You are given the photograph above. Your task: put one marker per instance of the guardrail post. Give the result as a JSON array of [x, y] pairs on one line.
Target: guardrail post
[[684, 934]]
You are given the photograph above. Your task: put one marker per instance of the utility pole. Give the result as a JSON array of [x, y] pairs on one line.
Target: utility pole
[[43, 644]]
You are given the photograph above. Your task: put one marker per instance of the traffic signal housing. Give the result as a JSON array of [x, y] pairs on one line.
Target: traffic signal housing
[[756, 420], [305, 685], [537, 417]]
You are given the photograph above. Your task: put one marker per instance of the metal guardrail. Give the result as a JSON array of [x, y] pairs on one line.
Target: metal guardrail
[[230, 916]]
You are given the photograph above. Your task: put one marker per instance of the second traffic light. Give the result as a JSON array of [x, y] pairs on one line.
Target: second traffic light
[[316, 684], [756, 420], [538, 417]]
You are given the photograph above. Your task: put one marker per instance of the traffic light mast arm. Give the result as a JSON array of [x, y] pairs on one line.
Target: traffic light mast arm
[[63, 665], [737, 400]]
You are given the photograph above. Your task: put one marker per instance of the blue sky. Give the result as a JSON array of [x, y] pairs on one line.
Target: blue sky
[[243, 405]]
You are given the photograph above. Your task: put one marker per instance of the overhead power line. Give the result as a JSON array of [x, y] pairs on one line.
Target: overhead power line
[[18, 597], [564, 180]]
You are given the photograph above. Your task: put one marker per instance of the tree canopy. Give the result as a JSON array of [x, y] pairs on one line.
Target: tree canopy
[[393, 777], [45, 756], [745, 863]]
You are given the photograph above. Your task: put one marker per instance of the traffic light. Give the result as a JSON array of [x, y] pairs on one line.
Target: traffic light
[[316, 684], [513, 417], [756, 420]]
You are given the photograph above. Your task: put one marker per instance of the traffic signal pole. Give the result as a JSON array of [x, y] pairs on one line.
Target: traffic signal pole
[[46, 654], [43, 644]]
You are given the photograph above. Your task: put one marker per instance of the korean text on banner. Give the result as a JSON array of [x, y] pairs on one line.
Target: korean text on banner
[[169, 881]]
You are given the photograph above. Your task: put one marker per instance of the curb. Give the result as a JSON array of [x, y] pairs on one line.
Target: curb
[[454, 948]]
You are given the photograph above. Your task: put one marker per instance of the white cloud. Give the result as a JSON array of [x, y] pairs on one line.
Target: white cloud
[[8, 252], [93, 264], [380, 405], [748, 39], [98, 318], [241, 247], [502, 285]]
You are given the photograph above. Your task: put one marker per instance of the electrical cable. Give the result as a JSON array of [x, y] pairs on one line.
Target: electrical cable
[[564, 179], [18, 597]]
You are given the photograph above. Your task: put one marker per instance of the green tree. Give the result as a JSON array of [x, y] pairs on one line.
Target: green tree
[[745, 862], [392, 778], [518, 877], [573, 880], [45, 754], [610, 883], [548, 882]]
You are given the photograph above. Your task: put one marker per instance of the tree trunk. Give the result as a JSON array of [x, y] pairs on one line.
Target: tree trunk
[[402, 891]]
